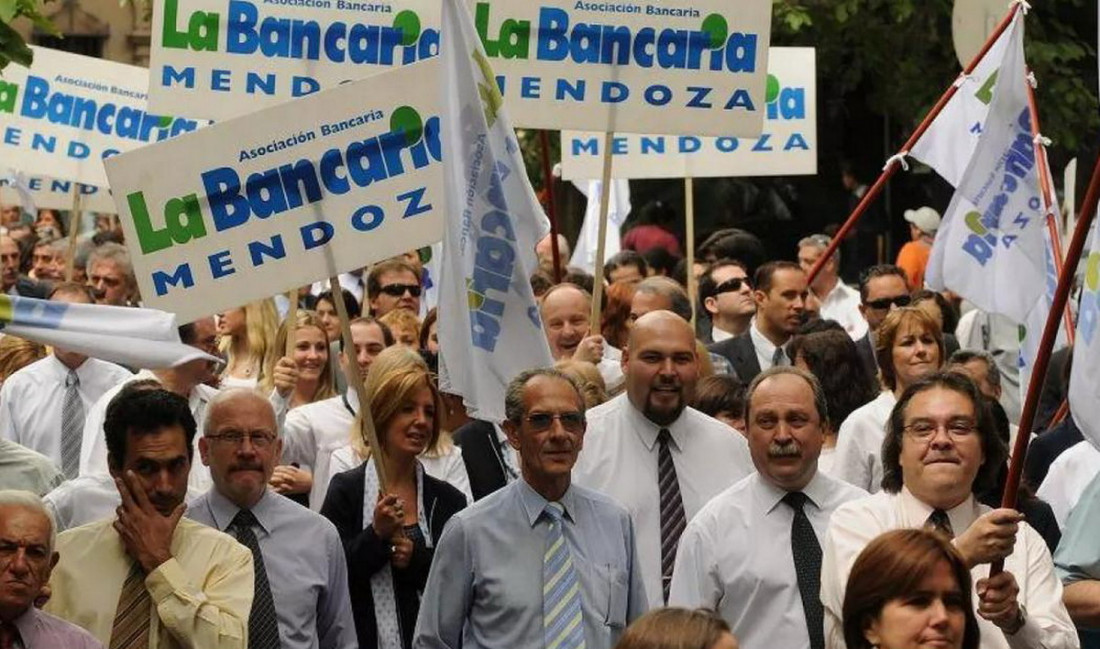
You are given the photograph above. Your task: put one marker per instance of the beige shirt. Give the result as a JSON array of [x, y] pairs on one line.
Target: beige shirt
[[201, 596]]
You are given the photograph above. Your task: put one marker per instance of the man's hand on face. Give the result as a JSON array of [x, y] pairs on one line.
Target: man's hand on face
[[146, 533]]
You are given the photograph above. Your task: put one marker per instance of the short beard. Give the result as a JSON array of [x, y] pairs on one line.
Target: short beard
[[663, 419]]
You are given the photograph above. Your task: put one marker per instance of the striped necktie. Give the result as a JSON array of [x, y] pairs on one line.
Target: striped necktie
[[673, 520], [72, 426], [263, 625], [131, 626], [563, 627]]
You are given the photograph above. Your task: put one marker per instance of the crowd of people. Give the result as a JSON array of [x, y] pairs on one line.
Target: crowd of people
[[782, 463]]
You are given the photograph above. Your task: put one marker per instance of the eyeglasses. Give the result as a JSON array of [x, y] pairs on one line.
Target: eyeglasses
[[730, 285], [570, 421], [397, 290], [925, 430], [884, 303], [258, 440]]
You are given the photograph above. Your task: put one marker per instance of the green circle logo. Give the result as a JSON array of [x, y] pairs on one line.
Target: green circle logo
[[405, 119], [409, 24], [716, 26], [771, 93]]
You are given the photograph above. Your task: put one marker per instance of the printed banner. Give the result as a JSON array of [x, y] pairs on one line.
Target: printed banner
[[1084, 380], [50, 193], [68, 112], [224, 58], [695, 67], [786, 147], [274, 200]]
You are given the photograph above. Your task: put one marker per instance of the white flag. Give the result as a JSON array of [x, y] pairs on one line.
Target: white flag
[[951, 138], [1084, 380], [144, 338], [991, 249], [618, 207], [489, 326]]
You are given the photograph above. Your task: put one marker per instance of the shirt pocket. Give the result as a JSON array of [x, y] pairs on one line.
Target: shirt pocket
[[612, 594]]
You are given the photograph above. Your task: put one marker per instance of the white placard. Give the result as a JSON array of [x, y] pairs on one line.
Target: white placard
[[223, 58], [670, 66], [66, 113], [787, 147], [54, 194], [274, 200]]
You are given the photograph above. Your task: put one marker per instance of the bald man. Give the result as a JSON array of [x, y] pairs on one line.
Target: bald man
[[653, 453], [566, 311]]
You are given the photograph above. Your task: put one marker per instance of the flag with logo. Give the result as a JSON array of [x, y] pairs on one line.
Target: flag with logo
[[1084, 380], [489, 326], [991, 248], [144, 338], [618, 207]]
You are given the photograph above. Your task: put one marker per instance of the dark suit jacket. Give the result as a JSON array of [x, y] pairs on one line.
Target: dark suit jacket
[[1044, 449], [27, 287], [480, 454], [867, 355], [741, 355], [367, 553]]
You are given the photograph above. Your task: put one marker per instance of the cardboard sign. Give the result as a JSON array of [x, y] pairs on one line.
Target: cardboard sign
[[223, 58], [787, 146], [676, 66], [50, 193], [67, 113], [274, 200]]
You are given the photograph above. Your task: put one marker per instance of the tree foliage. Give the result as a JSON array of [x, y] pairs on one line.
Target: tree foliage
[[13, 49]]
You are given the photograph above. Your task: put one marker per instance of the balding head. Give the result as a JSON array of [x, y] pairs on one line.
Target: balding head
[[240, 444], [565, 311], [661, 366]]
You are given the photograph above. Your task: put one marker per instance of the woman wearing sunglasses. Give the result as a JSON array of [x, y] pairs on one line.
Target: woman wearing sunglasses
[[389, 536], [908, 347]]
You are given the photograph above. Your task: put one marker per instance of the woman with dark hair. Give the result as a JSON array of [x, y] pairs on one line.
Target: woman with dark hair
[[941, 449], [722, 396], [937, 306], [832, 357], [909, 589], [908, 346], [326, 309], [678, 628]]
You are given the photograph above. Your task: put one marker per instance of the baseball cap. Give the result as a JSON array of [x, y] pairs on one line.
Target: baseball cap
[[925, 218]]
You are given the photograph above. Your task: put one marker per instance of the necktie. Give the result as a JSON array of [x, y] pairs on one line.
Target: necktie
[[673, 520], [779, 357], [562, 625], [131, 626], [263, 625], [807, 567], [9, 635], [939, 522], [72, 426]]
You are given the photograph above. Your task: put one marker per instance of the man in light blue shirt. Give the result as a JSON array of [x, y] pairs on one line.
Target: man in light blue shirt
[[301, 599], [1077, 564], [541, 562]]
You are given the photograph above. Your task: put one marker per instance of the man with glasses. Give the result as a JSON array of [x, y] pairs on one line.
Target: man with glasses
[[839, 301], [941, 448], [882, 288], [542, 562], [301, 589], [726, 295], [393, 284]]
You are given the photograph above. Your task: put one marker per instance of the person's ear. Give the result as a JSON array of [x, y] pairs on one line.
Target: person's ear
[[872, 633], [204, 450], [512, 432], [711, 304]]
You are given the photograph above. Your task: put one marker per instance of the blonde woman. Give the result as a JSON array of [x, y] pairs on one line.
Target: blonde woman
[[311, 355], [389, 537], [247, 338], [405, 327]]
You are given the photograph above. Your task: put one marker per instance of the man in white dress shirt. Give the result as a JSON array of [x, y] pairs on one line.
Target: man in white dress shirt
[[753, 554], [651, 452], [43, 406], [839, 301], [941, 447]]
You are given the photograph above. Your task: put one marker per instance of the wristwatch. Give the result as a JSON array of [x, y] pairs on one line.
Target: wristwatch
[[1018, 623]]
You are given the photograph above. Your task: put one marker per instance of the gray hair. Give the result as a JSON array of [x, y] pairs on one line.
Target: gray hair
[[821, 242], [232, 394], [670, 290], [513, 398], [992, 372], [819, 394], [115, 252], [30, 501]]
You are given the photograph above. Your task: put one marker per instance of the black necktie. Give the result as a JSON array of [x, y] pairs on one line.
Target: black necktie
[[807, 566], [673, 520], [939, 522], [263, 625]]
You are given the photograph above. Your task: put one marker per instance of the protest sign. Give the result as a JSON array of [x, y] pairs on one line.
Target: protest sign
[[54, 194], [787, 146], [66, 113], [263, 203], [223, 58], [675, 66]]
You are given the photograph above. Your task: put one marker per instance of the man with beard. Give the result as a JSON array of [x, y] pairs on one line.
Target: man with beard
[[768, 527], [148, 577], [301, 599], [652, 453]]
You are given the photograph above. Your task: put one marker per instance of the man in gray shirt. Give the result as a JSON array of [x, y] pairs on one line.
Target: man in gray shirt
[[541, 562], [301, 599]]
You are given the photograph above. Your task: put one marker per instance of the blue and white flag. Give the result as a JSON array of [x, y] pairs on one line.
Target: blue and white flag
[[144, 338], [1084, 379], [489, 326], [618, 208]]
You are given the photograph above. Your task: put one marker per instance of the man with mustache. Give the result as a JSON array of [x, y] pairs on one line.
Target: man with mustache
[[941, 448], [767, 527], [148, 577], [301, 588], [653, 453]]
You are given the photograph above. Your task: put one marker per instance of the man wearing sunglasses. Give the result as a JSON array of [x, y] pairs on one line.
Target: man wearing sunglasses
[[393, 284], [542, 561], [726, 295], [882, 289], [839, 302]]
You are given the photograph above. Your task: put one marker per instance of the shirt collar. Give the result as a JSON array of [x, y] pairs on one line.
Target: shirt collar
[[63, 370], [648, 431], [816, 490], [224, 510], [718, 335], [917, 511], [534, 504], [760, 341], [25, 624]]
